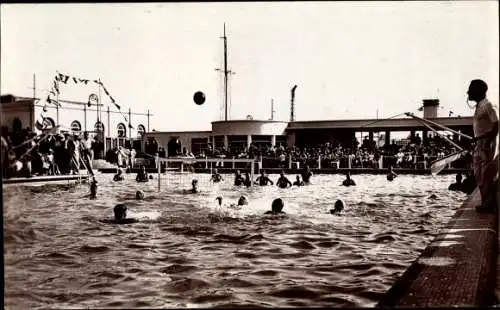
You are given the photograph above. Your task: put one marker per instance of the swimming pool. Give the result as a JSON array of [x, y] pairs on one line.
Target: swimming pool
[[189, 252]]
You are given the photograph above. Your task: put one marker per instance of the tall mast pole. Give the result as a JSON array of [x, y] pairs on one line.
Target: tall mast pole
[[225, 72], [272, 109]]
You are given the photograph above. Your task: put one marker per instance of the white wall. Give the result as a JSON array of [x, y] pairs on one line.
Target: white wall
[[66, 117], [21, 110], [184, 137], [249, 127]]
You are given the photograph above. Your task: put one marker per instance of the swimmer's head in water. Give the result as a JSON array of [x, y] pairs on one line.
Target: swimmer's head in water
[[139, 195], [120, 211], [277, 205], [242, 201], [194, 182], [298, 178], [143, 168], [262, 172], [282, 173], [150, 177], [339, 205], [219, 199], [348, 174]]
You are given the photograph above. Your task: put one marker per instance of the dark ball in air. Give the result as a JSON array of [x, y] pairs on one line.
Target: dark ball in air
[[199, 98]]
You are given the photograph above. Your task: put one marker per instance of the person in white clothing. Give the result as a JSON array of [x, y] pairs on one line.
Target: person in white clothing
[[485, 124]]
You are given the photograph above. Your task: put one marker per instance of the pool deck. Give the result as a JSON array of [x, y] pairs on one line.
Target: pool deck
[[45, 179], [295, 171], [458, 268]]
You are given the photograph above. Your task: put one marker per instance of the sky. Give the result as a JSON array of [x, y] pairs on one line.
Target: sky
[[350, 60]]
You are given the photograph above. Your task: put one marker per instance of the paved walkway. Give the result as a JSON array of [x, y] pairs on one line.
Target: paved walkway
[[457, 269]]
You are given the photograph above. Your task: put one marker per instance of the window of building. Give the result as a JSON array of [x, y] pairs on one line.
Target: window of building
[[199, 145], [99, 127], [122, 130], [76, 126], [140, 130], [237, 143]]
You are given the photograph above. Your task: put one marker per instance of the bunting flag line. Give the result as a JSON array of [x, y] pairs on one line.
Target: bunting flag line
[[64, 78]]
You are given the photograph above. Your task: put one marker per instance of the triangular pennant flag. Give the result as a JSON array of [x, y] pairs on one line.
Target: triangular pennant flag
[[66, 78], [57, 78], [74, 79], [48, 99], [61, 76]]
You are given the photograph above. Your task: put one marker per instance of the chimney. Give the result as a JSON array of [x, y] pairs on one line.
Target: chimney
[[292, 110], [430, 108]]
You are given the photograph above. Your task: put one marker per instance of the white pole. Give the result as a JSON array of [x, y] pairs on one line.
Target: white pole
[[289, 162], [349, 161], [251, 172], [319, 161], [233, 163], [159, 171]]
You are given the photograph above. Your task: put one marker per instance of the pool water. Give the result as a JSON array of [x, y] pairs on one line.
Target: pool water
[[187, 251]]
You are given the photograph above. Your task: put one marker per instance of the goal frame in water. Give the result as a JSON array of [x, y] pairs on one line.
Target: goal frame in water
[[190, 161]]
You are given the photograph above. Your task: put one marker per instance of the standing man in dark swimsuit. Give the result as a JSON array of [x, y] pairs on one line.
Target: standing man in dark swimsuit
[[306, 174]]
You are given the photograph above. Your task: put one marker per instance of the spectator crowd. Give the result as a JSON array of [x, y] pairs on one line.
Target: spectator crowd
[[24, 153]]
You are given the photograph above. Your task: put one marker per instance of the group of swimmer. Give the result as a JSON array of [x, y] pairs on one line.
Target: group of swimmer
[[264, 180], [120, 210], [278, 204]]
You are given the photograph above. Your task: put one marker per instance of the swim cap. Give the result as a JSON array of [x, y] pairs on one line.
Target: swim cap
[[120, 211], [277, 205], [139, 194]]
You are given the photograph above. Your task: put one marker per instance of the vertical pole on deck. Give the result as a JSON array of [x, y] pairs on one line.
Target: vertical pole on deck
[[159, 171], [251, 173], [319, 161], [289, 162], [233, 162], [349, 161], [148, 120]]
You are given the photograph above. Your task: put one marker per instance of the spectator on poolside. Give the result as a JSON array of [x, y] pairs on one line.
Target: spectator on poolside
[[485, 124]]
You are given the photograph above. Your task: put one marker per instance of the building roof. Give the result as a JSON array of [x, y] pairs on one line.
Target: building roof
[[403, 124]]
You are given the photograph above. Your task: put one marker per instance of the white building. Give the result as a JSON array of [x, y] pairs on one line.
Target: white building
[[104, 122]]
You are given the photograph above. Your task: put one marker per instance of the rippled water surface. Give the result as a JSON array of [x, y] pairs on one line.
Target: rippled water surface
[[189, 252]]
